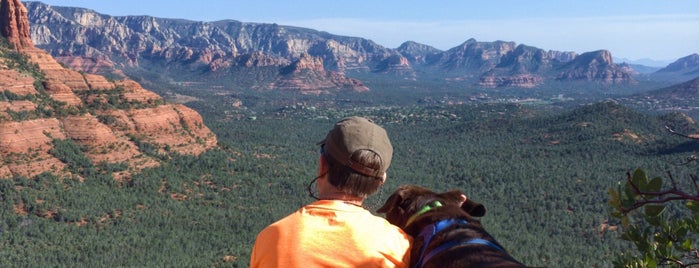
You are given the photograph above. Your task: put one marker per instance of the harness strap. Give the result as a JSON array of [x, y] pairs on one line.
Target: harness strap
[[431, 230], [474, 241]]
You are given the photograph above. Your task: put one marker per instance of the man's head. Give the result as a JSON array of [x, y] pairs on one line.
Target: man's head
[[358, 153]]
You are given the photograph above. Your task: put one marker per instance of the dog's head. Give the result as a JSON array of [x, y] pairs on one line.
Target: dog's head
[[409, 199]]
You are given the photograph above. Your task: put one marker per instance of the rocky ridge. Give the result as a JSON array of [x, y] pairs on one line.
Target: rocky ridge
[[688, 65], [222, 46], [44, 103]]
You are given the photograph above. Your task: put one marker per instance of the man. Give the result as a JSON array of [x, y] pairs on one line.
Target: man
[[335, 230]]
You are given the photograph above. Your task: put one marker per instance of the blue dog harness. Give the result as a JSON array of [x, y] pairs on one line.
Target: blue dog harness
[[431, 230]]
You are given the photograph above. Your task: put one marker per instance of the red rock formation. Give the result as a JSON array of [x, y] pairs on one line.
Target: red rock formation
[[174, 126], [308, 76], [135, 93], [24, 147], [55, 72], [98, 82], [18, 137], [60, 92], [104, 131], [17, 106], [17, 83], [15, 24], [90, 65]]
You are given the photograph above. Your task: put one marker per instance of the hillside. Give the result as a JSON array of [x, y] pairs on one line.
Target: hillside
[[230, 50], [48, 111], [683, 69], [542, 171]]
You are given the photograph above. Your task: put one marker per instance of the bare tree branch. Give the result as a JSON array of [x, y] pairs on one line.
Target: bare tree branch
[[690, 136], [657, 197]]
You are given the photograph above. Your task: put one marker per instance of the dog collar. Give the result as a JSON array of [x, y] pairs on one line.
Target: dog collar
[[423, 210]]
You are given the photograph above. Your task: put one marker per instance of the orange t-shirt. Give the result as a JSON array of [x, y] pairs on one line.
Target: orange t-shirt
[[331, 233]]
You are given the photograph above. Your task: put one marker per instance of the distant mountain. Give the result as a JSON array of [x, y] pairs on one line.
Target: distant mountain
[[643, 69], [684, 69], [688, 65], [417, 53], [651, 63], [230, 50], [63, 122], [597, 66]]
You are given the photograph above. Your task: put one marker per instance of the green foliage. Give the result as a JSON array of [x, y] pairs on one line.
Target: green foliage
[[539, 179], [663, 234], [148, 148], [97, 100], [72, 154], [18, 61]]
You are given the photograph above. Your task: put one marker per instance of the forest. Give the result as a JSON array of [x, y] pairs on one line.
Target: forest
[[542, 171]]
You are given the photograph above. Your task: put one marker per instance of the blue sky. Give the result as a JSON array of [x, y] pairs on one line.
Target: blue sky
[[662, 30]]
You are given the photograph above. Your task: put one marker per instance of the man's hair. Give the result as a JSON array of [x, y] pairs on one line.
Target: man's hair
[[352, 182]]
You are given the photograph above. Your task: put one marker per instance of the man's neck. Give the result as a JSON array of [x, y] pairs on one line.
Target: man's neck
[[341, 196]]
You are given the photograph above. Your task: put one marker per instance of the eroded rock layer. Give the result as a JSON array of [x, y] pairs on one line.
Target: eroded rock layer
[[47, 105]]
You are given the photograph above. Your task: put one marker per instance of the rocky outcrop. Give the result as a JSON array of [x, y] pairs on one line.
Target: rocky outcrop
[[562, 56], [308, 76], [305, 62], [15, 24], [417, 53], [595, 66], [259, 59], [397, 65], [107, 119], [475, 56], [521, 67]]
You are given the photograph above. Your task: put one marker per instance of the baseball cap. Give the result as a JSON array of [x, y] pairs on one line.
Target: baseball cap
[[356, 133]]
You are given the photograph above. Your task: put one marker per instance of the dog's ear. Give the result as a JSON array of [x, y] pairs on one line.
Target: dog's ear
[[391, 203], [454, 196], [473, 208]]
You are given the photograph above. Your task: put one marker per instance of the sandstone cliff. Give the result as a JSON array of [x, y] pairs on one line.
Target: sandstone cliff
[[111, 121]]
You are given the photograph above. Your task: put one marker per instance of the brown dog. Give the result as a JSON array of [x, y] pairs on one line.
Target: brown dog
[[444, 230]]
